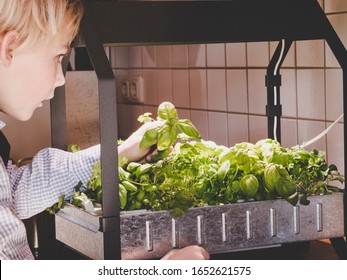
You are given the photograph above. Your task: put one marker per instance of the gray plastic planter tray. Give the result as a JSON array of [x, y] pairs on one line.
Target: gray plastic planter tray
[[227, 228]]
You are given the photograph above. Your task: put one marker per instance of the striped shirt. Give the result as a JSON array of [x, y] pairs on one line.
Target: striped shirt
[[28, 190]]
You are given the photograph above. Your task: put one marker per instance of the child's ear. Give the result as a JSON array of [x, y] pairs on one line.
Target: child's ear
[[7, 45]]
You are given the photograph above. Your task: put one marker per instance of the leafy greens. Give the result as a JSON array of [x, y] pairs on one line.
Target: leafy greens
[[198, 173]]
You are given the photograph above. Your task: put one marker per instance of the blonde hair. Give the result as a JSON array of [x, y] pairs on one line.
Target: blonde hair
[[41, 20]]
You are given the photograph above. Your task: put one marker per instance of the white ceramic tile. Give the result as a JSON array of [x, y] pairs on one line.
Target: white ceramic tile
[[289, 132], [330, 59], [311, 100], [135, 57], [236, 54], [215, 55], [113, 57], [218, 128], [197, 55], [257, 97], [119, 57], [179, 56], [148, 56], [164, 85], [307, 130], [257, 128], [180, 83], [237, 129], [310, 53], [334, 93], [183, 113], [237, 91], [216, 90], [335, 6], [335, 153], [339, 23], [72, 59], [108, 52], [150, 89], [197, 88], [163, 56], [127, 119], [288, 93], [135, 72], [258, 54], [289, 60], [200, 121]]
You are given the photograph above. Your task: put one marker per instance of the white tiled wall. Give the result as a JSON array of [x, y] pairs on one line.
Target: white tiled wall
[[221, 87]]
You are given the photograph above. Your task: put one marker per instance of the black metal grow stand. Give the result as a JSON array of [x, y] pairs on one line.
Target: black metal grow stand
[[116, 23]]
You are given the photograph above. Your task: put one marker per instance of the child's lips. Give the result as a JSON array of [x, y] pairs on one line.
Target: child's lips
[[49, 98]]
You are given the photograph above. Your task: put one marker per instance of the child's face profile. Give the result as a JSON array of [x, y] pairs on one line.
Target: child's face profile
[[30, 78]]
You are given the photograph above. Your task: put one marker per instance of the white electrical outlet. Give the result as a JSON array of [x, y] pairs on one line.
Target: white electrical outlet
[[132, 89], [124, 89]]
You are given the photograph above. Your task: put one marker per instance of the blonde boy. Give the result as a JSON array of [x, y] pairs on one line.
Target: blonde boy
[[34, 37]]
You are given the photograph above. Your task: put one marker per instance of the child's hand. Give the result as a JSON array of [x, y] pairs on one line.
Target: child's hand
[[130, 148], [192, 252]]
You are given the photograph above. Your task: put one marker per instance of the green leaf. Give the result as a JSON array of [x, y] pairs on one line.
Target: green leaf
[[143, 168], [123, 175], [243, 161], [167, 111], [149, 138], [293, 199], [303, 199], [271, 177], [132, 166], [160, 155], [122, 160], [235, 186], [187, 127], [57, 206], [122, 196], [249, 185], [146, 117], [285, 188], [223, 170], [129, 186], [167, 135], [73, 148], [99, 196]]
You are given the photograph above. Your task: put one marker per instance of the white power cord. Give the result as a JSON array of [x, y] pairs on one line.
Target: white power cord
[[319, 136], [275, 88]]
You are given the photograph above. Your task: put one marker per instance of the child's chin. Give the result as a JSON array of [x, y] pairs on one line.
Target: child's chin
[[24, 116]]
